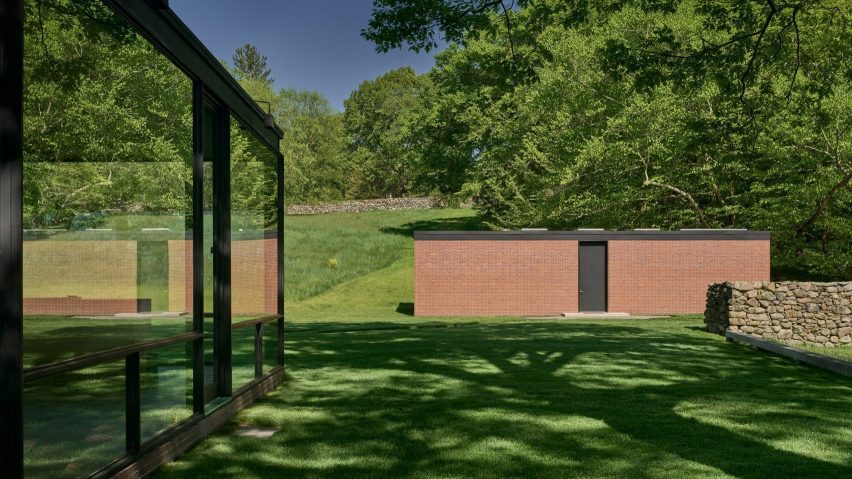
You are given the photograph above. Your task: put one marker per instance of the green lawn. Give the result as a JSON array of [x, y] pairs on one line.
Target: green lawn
[[372, 391], [840, 352]]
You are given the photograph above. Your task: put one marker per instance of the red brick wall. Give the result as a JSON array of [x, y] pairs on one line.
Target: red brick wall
[[78, 306], [539, 277], [495, 278], [672, 276]]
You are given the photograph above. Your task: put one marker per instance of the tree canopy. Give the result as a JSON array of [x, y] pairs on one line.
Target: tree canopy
[[632, 114]]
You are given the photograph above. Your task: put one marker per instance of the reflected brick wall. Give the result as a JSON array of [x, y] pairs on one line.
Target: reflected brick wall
[[80, 277]]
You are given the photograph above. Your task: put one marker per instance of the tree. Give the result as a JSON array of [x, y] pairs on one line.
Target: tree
[[420, 24], [651, 114], [317, 168], [377, 122], [250, 64]]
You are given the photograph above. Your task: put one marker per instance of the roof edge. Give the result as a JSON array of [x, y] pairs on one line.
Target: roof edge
[[593, 235]]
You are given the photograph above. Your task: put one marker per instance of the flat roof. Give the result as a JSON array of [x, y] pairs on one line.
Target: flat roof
[[595, 235]]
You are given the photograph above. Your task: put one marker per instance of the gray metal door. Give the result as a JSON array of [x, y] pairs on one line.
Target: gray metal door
[[592, 268]]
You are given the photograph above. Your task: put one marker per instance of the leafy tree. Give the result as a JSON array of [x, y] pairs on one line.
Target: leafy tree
[[377, 122], [317, 167], [108, 119], [640, 114], [250, 64]]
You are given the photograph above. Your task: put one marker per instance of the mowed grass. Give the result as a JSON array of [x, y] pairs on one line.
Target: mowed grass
[[374, 392], [838, 352], [359, 242]]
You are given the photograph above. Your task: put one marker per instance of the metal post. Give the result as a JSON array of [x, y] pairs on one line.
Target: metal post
[[258, 350], [132, 402], [222, 250], [281, 263], [197, 232], [11, 239]]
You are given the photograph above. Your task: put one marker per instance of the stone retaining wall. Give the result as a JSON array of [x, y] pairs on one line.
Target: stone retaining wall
[[357, 206], [818, 313]]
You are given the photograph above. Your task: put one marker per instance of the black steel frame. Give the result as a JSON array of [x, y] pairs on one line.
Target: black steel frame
[[211, 83], [11, 237]]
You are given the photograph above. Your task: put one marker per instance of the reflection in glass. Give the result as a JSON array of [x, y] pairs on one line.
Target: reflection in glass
[[74, 422], [165, 388], [106, 200], [270, 346], [243, 356], [254, 233], [107, 175]]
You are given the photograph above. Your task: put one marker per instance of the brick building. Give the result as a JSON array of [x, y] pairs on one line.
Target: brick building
[[545, 273]]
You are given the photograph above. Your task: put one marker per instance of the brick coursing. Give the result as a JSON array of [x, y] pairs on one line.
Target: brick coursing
[[540, 277], [75, 305], [495, 278], [672, 276]]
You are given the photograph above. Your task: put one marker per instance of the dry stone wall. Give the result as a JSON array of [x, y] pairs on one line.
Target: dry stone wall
[[817, 313], [357, 206]]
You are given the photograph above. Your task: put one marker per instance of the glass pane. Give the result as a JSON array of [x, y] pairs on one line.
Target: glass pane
[[270, 346], [208, 135], [243, 357], [166, 388], [107, 184], [253, 227], [254, 243], [74, 422]]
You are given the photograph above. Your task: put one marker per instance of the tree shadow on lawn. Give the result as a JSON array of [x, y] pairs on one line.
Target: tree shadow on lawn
[[464, 223], [538, 400]]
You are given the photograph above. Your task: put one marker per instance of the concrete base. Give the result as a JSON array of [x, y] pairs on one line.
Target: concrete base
[[595, 315]]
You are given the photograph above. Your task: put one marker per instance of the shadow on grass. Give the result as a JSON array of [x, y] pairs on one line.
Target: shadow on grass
[[406, 309], [537, 400], [467, 223]]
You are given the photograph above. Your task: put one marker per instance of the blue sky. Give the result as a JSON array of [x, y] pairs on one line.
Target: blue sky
[[311, 44]]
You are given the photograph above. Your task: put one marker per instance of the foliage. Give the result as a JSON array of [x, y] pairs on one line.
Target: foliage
[[250, 64], [377, 120], [648, 114], [108, 120], [317, 168]]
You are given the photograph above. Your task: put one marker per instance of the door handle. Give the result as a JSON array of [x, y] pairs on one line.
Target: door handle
[[581, 290]]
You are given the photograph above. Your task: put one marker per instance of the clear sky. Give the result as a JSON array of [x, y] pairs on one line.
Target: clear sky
[[311, 44]]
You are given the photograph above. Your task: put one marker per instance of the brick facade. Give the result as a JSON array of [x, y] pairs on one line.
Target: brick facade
[[670, 277], [495, 278], [462, 275]]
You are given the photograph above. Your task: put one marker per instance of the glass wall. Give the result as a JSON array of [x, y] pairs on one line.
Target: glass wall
[[254, 245], [131, 193], [107, 184]]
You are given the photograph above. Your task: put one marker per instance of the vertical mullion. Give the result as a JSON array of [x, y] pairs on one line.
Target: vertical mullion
[[258, 350], [197, 235], [222, 250], [133, 402], [280, 211], [11, 239]]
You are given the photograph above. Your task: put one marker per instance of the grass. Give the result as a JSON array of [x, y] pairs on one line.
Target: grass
[[651, 399], [838, 352], [360, 242], [374, 392]]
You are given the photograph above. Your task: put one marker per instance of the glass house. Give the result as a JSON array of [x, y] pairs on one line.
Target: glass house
[[141, 240]]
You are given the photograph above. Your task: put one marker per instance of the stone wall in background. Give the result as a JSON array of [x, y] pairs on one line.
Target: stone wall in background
[[817, 313], [357, 206]]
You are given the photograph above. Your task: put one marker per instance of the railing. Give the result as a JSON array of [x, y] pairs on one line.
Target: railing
[[131, 355]]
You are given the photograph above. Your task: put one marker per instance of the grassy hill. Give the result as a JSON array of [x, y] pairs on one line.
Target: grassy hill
[[358, 266]]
